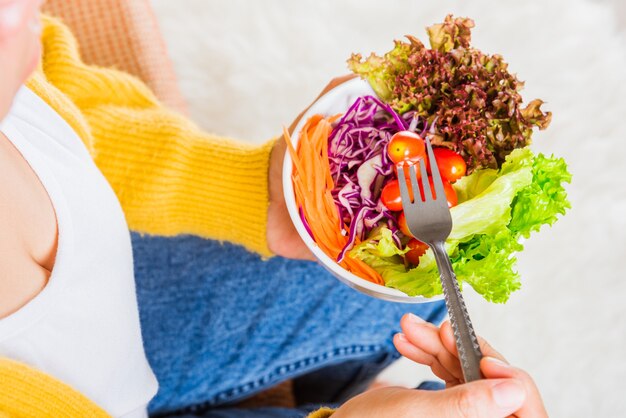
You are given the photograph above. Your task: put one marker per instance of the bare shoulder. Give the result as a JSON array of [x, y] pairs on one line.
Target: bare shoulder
[[22, 277]]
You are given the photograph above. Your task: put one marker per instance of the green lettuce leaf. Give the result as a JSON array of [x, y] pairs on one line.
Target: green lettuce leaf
[[489, 210], [544, 199], [496, 209], [380, 252], [486, 263], [469, 186], [381, 72]]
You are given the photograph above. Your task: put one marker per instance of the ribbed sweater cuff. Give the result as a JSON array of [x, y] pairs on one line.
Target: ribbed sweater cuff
[[230, 190]]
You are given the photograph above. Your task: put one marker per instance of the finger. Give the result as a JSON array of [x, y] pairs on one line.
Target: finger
[[426, 337], [410, 351], [497, 398], [494, 368], [447, 338]]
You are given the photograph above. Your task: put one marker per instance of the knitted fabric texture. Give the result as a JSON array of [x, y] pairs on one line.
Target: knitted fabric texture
[[122, 34], [26, 393], [170, 177], [321, 413]]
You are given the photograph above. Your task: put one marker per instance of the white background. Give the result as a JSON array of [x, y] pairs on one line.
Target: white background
[[248, 68]]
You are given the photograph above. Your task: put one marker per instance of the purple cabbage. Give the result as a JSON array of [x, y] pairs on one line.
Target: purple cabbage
[[305, 223], [360, 166]]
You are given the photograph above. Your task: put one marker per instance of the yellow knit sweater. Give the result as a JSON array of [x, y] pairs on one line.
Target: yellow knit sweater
[[170, 177]]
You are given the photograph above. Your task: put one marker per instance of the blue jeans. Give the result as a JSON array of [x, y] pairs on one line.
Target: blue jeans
[[219, 324]]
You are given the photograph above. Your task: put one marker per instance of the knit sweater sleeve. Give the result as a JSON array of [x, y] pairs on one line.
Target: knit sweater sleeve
[[26, 392], [170, 177]]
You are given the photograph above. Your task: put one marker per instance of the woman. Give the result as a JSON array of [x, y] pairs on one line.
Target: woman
[[68, 300]]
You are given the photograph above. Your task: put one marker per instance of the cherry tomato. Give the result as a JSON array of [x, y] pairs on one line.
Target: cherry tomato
[[390, 195], [403, 226], [451, 165], [418, 248], [406, 167], [448, 190], [406, 146], [391, 198]]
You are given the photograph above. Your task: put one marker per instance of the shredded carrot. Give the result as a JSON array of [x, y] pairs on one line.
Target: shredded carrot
[[313, 184]]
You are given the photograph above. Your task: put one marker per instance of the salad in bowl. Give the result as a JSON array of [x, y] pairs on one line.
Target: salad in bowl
[[341, 171]]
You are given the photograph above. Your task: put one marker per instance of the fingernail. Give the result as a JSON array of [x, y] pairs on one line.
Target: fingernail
[[415, 319], [497, 361], [401, 337], [509, 395]]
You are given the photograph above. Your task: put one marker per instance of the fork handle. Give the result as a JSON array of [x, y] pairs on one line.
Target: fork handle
[[464, 335]]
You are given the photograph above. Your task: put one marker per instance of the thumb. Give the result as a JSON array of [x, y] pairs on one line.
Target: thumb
[[493, 398]]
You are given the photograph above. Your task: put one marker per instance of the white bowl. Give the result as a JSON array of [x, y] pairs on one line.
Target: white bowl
[[336, 101]]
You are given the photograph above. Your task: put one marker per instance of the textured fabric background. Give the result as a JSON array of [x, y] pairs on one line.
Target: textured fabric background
[[247, 68]]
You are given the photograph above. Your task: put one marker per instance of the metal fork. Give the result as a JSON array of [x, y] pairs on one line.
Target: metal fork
[[430, 221]]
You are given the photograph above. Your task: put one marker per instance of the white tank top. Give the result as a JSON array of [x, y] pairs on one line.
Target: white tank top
[[83, 328]]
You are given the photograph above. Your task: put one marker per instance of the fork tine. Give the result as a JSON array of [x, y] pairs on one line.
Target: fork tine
[[428, 195], [415, 185], [434, 169], [404, 189]]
